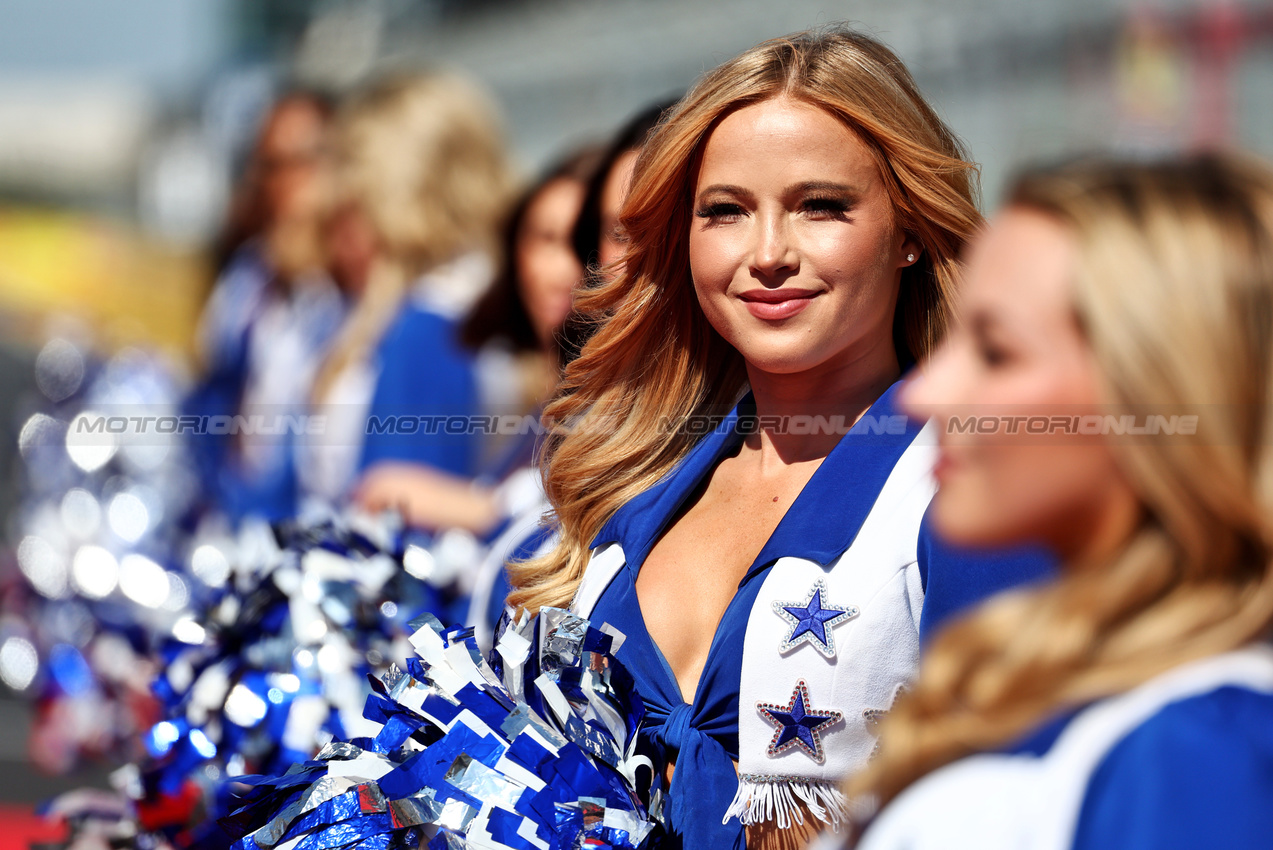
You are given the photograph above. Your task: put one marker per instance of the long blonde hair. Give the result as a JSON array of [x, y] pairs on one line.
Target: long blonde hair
[[654, 360], [422, 155], [1174, 293]]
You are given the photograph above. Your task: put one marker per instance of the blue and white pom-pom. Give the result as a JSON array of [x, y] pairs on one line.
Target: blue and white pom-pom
[[533, 751], [274, 667]]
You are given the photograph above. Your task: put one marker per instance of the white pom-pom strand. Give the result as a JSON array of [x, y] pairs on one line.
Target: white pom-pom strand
[[765, 798]]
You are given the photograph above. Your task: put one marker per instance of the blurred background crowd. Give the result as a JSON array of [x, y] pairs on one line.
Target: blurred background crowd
[[314, 214]]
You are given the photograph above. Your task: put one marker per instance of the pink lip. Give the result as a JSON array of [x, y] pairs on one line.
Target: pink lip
[[774, 304], [942, 467]]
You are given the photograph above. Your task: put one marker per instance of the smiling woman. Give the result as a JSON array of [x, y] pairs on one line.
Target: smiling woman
[[792, 230], [794, 250]]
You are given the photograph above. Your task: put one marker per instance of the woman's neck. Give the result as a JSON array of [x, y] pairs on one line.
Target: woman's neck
[[844, 390]]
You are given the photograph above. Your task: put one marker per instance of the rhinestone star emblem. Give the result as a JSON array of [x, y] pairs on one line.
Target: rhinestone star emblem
[[872, 717], [812, 621], [797, 724]]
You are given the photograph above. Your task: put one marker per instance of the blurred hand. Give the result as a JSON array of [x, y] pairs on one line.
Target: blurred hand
[[427, 498]]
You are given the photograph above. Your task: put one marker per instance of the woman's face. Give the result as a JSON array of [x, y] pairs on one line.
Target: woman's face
[[291, 156], [352, 246], [547, 269], [793, 249], [1015, 363]]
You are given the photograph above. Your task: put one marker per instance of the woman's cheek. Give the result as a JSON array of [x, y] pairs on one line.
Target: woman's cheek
[[704, 259], [712, 310]]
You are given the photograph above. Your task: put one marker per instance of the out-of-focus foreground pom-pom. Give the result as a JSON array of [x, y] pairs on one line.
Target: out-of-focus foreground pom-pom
[[101, 530], [536, 749], [274, 668]]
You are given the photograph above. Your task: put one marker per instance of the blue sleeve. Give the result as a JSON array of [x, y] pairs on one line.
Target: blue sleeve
[[425, 400], [217, 394], [270, 493], [956, 578], [1199, 774]]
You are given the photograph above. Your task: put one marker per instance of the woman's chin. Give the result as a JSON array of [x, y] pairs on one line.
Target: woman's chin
[[968, 521], [783, 362]]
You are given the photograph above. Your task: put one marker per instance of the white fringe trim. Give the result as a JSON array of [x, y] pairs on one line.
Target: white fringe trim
[[765, 797]]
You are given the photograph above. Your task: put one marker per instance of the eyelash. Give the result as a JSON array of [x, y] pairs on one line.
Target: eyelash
[[835, 208], [820, 207], [720, 211]]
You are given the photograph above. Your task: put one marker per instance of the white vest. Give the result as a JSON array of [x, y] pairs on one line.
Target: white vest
[[1025, 802], [876, 651]]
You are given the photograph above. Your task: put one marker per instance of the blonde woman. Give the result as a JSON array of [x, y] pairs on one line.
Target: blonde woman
[[1130, 704], [423, 185], [792, 225]]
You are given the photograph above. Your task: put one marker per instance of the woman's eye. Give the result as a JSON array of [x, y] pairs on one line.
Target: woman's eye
[[828, 208], [720, 212], [992, 355]]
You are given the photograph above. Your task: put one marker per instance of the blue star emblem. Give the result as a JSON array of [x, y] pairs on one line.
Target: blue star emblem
[[813, 621], [797, 725]]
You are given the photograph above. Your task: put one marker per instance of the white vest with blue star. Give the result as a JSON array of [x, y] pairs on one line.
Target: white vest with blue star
[[836, 662], [875, 646]]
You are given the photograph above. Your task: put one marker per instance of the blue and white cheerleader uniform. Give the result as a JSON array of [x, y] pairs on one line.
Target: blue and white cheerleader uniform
[[1182, 761], [826, 626], [411, 399]]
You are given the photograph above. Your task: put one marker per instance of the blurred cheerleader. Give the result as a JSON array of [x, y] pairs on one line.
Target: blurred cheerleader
[[514, 327], [792, 227], [272, 313], [1130, 704], [422, 184], [522, 315]]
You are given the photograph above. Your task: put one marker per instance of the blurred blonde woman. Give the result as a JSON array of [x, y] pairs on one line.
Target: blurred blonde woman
[[1130, 704], [423, 183], [792, 230]]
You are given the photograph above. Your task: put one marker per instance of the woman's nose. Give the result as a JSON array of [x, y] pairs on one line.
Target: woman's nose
[[775, 254]]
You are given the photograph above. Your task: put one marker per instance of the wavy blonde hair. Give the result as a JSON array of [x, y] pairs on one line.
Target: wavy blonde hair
[[422, 155], [1174, 292], [654, 360]]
